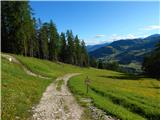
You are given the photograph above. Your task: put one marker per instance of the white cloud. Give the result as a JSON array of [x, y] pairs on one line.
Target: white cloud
[[99, 36], [115, 37], [94, 41], [152, 27]]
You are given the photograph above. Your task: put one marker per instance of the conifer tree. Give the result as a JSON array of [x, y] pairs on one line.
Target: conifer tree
[[54, 42], [63, 48], [77, 51], [16, 22], [70, 47], [84, 55], [43, 41]]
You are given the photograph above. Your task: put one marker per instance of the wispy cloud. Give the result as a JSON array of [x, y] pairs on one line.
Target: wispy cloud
[[115, 37], [151, 27], [112, 38], [95, 41], [99, 36]]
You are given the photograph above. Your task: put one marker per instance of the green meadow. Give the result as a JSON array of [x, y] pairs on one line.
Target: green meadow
[[121, 95]]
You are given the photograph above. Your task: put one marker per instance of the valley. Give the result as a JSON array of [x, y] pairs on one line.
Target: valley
[[129, 53]]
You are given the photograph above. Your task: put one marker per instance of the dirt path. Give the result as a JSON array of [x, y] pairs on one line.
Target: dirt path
[[13, 59], [58, 105]]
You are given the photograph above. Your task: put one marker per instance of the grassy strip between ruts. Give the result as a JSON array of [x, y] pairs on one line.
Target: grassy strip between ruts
[[59, 84]]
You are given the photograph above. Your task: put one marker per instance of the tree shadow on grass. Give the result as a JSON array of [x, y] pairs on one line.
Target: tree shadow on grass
[[122, 77], [155, 87]]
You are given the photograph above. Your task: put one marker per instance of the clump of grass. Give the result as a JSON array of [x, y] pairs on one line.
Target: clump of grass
[[59, 84]]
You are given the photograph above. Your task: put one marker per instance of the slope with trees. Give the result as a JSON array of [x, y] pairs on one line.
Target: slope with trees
[[151, 63], [23, 34]]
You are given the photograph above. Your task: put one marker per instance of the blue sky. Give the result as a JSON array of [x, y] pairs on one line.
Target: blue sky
[[99, 22]]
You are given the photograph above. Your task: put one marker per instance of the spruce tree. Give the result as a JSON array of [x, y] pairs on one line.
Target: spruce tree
[[70, 47], [43, 41], [84, 55], [16, 22], [53, 42], [77, 51], [63, 48]]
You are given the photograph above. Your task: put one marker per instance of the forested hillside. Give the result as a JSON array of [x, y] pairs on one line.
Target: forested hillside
[[25, 35], [128, 50]]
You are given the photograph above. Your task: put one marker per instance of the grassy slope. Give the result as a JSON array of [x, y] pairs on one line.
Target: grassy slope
[[19, 91], [125, 98], [122, 96]]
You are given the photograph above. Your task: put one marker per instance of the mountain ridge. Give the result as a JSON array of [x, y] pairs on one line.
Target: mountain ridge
[[126, 51]]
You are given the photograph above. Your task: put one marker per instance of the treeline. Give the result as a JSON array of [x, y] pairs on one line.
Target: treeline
[[23, 34], [151, 63], [103, 64]]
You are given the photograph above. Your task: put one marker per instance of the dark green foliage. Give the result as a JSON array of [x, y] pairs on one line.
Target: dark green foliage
[[16, 26], [77, 51], [108, 65], [93, 62], [111, 65], [22, 34], [63, 48], [100, 64], [84, 55], [53, 42], [151, 63], [43, 41], [70, 47]]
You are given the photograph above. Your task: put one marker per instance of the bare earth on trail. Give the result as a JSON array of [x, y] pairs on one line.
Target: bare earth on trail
[[58, 105], [13, 59]]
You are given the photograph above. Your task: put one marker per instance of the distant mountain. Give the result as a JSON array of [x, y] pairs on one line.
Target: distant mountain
[[95, 47], [127, 51]]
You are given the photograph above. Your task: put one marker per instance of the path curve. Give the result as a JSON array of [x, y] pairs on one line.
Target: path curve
[[58, 105], [15, 60]]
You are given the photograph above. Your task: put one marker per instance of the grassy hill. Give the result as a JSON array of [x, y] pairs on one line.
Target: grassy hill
[[123, 96]]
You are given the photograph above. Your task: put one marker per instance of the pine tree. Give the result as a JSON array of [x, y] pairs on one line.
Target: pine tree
[[70, 47], [77, 51], [63, 48], [54, 42], [84, 55], [16, 22], [151, 63], [35, 39], [43, 41]]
